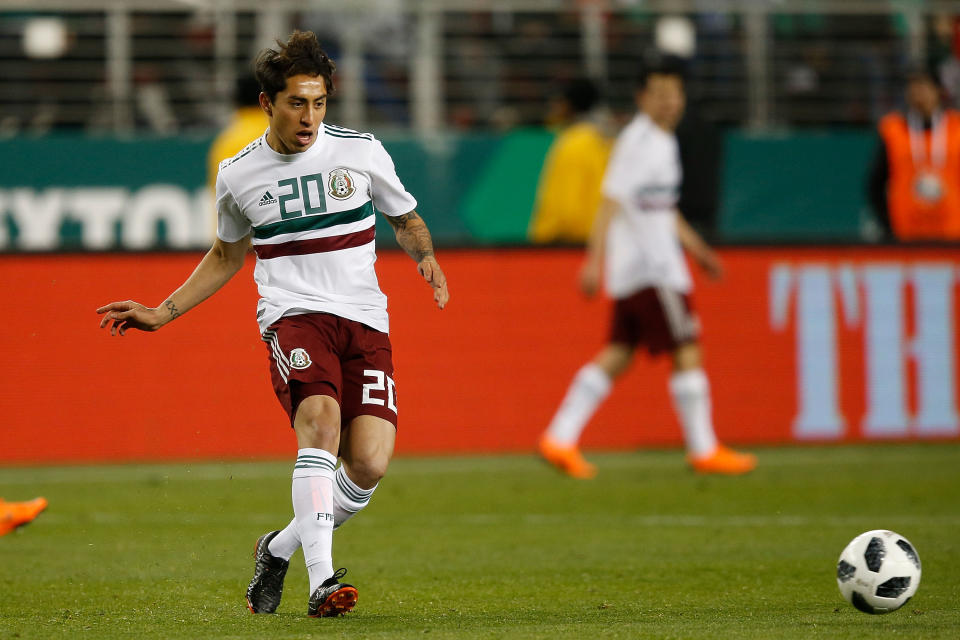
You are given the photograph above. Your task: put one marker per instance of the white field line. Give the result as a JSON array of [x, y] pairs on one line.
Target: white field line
[[534, 519]]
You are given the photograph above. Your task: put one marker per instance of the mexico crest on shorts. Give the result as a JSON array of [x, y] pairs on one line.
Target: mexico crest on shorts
[[300, 359], [340, 184]]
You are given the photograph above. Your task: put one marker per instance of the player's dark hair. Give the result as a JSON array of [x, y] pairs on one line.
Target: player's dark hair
[[661, 65], [300, 54], [582, 94]]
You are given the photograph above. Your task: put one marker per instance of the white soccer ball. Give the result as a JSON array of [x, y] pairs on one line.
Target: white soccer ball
[[879, 571]]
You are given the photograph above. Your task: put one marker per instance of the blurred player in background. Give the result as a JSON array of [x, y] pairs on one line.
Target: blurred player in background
[[17, 514], [568, 195], [307, 192], [915, 178], [637, 238]]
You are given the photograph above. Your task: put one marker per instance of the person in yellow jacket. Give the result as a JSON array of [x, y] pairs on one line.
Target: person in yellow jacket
[[915, 180], [248, 123], [568, 194]]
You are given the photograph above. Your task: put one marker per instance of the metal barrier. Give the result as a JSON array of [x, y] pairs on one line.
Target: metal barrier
[[171, 66]]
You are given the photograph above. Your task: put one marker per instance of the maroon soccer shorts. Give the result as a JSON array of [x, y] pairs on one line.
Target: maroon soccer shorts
[[657, 318], [323, 354]]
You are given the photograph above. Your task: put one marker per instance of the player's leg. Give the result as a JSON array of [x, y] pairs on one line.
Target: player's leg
[[317, 425], [690, 391], [305, 369], [589, 388], [366, 447]]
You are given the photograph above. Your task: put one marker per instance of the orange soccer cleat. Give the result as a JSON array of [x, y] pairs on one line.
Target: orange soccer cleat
[[566, 458], [17, 514], [724, 460]]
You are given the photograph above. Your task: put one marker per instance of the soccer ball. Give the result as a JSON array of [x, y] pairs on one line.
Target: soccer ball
[[878, 572]]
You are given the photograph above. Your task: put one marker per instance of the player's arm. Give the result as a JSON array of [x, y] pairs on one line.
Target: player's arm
[[597, 246], [217, 267], [699, 250], [414, 238]]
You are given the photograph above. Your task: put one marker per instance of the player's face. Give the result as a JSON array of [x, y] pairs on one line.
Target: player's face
[[296, 113], [663, 100]]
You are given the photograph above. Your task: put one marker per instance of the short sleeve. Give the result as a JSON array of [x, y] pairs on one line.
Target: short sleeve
[[617, 179], [232, 225], [388, 194]]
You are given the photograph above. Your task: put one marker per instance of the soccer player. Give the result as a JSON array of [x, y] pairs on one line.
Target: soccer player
[[17, 514], [636, 239], [306, 192]]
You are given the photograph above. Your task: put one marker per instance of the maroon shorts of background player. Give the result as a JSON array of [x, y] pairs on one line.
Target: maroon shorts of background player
[[323, 354], [656, 318]]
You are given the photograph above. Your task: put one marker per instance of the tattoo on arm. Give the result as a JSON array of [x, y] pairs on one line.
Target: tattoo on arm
[[174, 312], [412, 235]]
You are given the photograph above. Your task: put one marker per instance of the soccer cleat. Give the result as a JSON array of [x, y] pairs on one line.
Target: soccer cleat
[[17, 514], [566, 458], [332, 597], [266, 588], [724, 460]]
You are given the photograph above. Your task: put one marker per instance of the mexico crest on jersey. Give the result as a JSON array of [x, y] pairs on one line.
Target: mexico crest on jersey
[[340, 184], [300, 359]]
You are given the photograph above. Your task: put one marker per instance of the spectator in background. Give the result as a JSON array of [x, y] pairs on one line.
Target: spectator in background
[[915, 180], [568, 195], [248, 123]]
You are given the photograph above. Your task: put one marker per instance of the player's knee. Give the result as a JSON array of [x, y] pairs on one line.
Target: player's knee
[[367, 471], [317, 422]]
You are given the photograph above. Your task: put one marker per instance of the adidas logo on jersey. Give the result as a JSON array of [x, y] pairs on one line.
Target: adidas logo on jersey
[[267, 199]]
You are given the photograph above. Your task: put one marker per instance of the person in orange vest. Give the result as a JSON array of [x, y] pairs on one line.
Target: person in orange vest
[[915, 179]]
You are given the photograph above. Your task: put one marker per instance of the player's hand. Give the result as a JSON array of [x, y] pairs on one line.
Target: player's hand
[[710, 262], [433, 274], [120, 316], [590, 278]]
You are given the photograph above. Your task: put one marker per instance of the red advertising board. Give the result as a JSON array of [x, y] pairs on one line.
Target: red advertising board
[[800, 345]]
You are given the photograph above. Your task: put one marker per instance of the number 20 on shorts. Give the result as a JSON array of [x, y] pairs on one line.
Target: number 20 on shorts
[[383, 382]]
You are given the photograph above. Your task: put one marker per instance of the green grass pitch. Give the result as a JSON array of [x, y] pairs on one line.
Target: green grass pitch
[[491, 547]]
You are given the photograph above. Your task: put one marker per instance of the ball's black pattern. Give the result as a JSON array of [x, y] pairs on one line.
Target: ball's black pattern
[[860, 603], [845, 571], [874, 554], [907, 549], [893, 587]]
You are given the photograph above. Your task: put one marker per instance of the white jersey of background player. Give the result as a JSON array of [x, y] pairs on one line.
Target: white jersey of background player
[[637, 237]]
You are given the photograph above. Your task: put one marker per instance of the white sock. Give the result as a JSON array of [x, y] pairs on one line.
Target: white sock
[[285, 543], [691, 399], [313, 511], [589, 388], [348, 498]]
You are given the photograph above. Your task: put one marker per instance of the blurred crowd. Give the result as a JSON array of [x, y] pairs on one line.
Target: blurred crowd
[[496, 66]]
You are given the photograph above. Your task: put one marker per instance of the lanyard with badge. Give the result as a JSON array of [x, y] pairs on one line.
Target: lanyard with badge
[[928, 165]]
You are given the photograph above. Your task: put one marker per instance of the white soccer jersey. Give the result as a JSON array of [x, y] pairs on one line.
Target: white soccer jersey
[[643, 177], [312, 218]]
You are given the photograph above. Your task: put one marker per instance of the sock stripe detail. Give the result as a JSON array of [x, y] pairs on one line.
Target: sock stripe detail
[[317, 465], [351, 492]]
